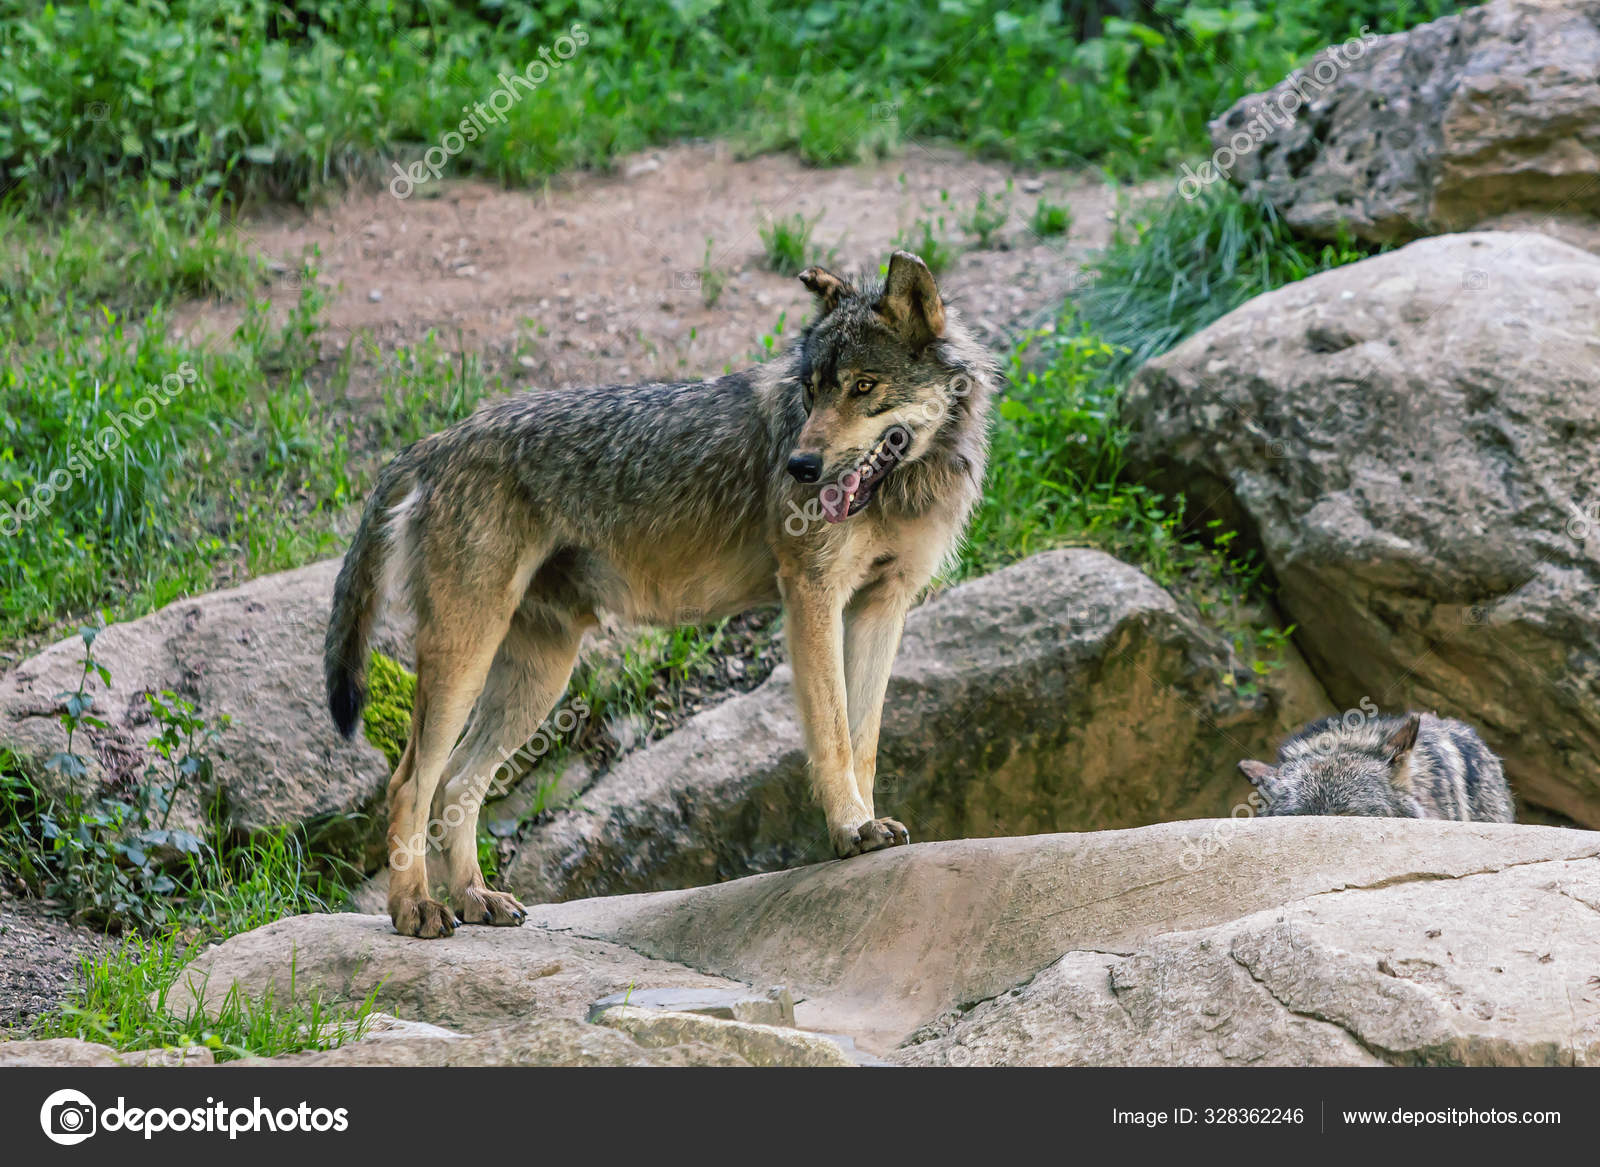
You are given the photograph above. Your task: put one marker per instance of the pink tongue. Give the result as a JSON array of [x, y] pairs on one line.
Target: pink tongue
[[833, 504], [835, 497]]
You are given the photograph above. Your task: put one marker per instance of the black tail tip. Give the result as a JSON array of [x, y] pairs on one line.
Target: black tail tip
[[345, 700]]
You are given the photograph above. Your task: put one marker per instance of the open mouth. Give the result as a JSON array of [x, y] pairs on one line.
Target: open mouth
[[853, 491]]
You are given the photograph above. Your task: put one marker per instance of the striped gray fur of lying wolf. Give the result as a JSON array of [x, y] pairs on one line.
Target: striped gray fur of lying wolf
[[1413, 765]]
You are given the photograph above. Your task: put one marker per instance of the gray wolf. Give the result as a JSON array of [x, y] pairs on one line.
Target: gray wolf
[[1416, 765], [833, 480]]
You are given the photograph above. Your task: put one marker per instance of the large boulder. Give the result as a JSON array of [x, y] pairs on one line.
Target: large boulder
[[1321, 941], [252, 654], [1065, 692], [1414, 441], [1495, 109], [1482, 969], [890, 945]]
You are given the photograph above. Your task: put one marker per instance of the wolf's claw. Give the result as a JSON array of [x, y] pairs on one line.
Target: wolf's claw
[[872, 835]]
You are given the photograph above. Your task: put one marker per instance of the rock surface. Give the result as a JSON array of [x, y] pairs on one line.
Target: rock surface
[[545, 1041], [72, 1052], [757, 1045], [480, 978], [1493, 110], [1414, 440], [1065, 692], [252, 653], [879, 946], [1317, 941], [1482, 969]]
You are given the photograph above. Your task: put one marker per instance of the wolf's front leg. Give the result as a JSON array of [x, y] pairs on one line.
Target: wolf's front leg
[[814, 623], [873, 623]]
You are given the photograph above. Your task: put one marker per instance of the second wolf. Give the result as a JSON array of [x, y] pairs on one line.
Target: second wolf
[[1416, 766], [833, 480]]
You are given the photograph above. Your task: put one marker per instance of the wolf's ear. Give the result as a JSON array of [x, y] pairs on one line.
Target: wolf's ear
[[829, 288], [910, 301], [1260, 774], [1398, 744]]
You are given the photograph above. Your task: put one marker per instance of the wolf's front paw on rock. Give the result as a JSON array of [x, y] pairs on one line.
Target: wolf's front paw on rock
[[423, 918], [478, 905], [872, 835]]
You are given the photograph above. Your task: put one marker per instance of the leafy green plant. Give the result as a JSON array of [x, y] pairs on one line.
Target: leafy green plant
[[109, 853]]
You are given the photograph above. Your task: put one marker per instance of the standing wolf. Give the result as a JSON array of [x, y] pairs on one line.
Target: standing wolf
[[833, 480], [1418, 766]]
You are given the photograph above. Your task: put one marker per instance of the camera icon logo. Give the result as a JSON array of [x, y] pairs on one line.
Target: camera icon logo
[[68, 1117]]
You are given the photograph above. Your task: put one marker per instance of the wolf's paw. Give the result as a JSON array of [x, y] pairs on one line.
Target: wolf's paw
[[872, 835], [479, 905], [423, 918]]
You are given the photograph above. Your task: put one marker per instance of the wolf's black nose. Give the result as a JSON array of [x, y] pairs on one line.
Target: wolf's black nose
[[806, 467]]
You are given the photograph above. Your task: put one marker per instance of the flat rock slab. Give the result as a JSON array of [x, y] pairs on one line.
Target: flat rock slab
[[759, 1045], [1499, 969], [775, 1007], [73, 1052], [1320, 941], [545, 1041], [880, 945], [478, 979]]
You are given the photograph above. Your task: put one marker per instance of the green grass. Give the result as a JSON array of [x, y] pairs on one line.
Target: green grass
[[1176, 265], [241, 95], [1050, 219], [988, 215], [124, 1001], [788, 245]]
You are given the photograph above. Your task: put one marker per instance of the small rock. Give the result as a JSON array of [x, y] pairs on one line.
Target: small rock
[[375, 296]]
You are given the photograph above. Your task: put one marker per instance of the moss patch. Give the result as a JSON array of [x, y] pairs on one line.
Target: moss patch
[[391, 691]]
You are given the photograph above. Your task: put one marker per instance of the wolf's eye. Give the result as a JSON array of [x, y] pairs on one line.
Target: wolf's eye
[[863, 386]]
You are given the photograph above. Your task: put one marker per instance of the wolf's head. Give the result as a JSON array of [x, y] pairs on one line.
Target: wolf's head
[[876, 380], [1324, 773]]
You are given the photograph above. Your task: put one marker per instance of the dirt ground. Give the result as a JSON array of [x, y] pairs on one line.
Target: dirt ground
[[599, 278], [39, 956]]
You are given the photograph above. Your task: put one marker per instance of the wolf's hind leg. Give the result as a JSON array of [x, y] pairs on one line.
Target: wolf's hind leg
[[455, 647], [529, 674]]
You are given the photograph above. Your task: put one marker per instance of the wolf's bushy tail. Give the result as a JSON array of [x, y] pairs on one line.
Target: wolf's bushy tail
[[355, 600]]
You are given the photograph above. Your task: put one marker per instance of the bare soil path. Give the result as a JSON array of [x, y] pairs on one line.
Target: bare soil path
[[602, 278]]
